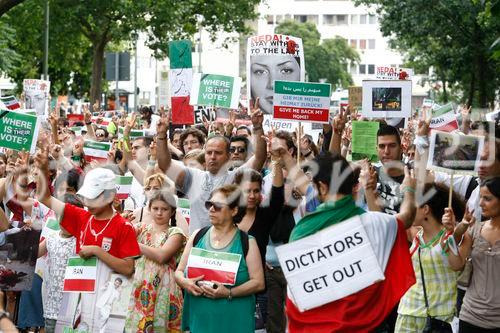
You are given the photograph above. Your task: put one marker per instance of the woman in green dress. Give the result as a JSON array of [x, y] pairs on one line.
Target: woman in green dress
[[211, 306]]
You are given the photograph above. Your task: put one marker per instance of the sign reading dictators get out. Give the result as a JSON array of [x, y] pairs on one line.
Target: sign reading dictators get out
[[329, 265], [302, 101]]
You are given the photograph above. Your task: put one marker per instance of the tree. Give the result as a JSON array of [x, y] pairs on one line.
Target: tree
[[328, 59], [6, 5], [8, 56], [454, 37]]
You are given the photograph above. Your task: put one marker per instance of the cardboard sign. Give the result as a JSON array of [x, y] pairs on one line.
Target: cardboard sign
[[355, 96], [444, 119], [215, 90], [219, 267], [18, 131], [80, 275], [393, 73], [94, 150], [302, 101], [455, 153], [331, 264], [9, 103], [181, 80], [364, 140], [386, 99], [36, 96]]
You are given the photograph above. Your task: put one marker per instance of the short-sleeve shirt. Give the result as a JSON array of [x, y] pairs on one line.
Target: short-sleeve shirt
[[118, 238]]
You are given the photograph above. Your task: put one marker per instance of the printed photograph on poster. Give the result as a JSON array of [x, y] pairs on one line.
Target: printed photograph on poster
[[36, 96], [453, 152], [102, 311], [269, 58], [386, 99]]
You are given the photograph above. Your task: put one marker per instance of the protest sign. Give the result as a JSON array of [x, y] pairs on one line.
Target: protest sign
[[302, 101], [104, 310], [78, 130], [444, 119], [269, 58], [36, 96], [80, 275], [204, 111], [74, 118], [493, 116], [215, 90], [454, 152], [184, 207], [163, 89], [393, 73], [355, 96], [19, 131], [101, 121], [134, 133], [219, 267], [181, 80], [9, 103], [386, 98], [427, 102], [329, 265], [123, 186], [94, 150], [50, 227], [364, 140]]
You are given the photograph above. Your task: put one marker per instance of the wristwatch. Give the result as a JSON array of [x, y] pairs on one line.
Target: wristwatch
[[4, 314]]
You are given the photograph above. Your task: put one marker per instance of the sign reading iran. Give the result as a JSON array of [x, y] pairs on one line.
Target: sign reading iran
[[329, 265], [219, 267], [94, 150], [302, 101], [123, 186], [18, 131], [393, 73], [80, 275], [185, 208], [215, 90], [444, 119]]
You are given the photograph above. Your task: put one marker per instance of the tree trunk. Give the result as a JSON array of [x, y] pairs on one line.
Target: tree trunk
[[445, 93], [97, 68], [483, 81], [472, 87]]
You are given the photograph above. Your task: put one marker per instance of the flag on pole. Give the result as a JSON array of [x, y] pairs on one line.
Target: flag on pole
[[185, 208], [123, 186], [9, 102], [215, 266], [181, 79], [94, 150], [444, 119], [80, 275]]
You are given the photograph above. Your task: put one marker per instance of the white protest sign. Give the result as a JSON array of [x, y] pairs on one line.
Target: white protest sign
[[329, 265], [393, 73], [444, 119], [36, 96], [493, 116]]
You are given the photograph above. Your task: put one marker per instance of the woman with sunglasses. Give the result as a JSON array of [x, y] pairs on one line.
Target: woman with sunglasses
[[211, 306]]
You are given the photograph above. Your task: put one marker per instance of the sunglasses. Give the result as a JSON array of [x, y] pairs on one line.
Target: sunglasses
[[240, 150], [100, 135], [217, 205]]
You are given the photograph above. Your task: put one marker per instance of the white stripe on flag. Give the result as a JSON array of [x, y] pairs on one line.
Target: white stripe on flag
[[80, 273], [212, 263]]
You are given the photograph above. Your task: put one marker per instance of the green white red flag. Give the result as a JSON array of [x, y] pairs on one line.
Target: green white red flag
[[444, 119], [185, 208], [94, 150], [215, 266], [9, 102], [123, 186], [181, 80], [80, 275]]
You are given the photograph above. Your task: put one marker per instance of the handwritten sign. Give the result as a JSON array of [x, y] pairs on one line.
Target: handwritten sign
[[302, 101], [329, 265]]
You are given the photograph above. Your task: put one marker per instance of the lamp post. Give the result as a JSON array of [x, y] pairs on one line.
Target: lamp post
[[46, 42]]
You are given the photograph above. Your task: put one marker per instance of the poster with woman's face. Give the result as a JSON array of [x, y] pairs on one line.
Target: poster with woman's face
[[36, 96], [271, 58]]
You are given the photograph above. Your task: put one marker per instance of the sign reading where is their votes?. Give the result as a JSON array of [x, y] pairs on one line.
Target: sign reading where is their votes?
[[19, 131], [215, 90], [329, 265], [302, 101]]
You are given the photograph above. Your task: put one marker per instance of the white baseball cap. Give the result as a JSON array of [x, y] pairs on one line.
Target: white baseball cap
[[97, 181]]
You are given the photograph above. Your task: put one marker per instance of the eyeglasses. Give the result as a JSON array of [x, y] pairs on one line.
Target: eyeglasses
[[240, 150], [100, 135], [217, 205]]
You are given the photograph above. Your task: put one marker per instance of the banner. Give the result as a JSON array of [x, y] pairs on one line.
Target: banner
[[393, 73], [364, 140], [329, 265], [75, 118], [355, 96], [444, 119], [270, 58], [123, 186], [19, 131], [80, 275], [94, 150], [181, 80], [185, 208], [219, 267], [134, 133], [386, 99], [302, 101], [215, 90], [36, 96], [9, 103]]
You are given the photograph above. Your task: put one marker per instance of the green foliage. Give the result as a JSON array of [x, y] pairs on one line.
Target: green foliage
[[454, 37], [328, 59], [8, 56]]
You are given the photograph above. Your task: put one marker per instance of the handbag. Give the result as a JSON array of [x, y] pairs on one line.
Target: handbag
[[432, 325]]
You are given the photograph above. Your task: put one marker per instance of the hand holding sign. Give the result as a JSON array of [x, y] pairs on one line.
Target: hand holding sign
[[448, 220]]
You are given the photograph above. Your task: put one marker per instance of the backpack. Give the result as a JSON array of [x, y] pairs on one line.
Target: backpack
[[243, 237]]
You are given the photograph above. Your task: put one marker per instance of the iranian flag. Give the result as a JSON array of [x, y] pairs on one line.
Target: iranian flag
[[133, 133], [94, 150], [10, 102], [185, 208], [181, 80], [104, 120], [80, 275], [123, 186], [444, 119], [214, 266]]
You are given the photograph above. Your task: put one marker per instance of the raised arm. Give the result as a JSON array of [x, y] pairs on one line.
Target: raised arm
[[257, 161], [87, 116], [42, 184], [338, 125], [408, 206], [368, 180]]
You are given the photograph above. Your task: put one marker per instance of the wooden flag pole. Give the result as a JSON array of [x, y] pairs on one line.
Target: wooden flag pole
[[298, 144], [451, 189]]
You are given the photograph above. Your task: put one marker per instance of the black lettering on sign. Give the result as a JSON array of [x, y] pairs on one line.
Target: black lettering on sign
[[315, 284]]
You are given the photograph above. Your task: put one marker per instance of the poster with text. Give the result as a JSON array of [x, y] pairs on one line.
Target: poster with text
[[393, 73], [36, 96], [386, 99], [215, 90], [270, 58], [19, 131]]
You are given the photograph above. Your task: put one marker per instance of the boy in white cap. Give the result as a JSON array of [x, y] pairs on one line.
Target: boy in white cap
[[100, 231]]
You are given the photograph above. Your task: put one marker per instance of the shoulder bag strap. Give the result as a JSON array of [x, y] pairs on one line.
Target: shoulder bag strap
[[423, 282]]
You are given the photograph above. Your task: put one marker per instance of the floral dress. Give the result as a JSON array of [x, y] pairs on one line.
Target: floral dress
[[156, 300]]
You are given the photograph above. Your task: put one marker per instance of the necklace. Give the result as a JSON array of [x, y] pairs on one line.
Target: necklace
[[83, 235]]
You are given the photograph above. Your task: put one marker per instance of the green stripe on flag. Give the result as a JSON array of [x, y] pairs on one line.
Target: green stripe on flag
[[442, 110], [133, 133], [97, 145], [216, 255], [183, 203], [77, 261], [124, 180], [180, 54]]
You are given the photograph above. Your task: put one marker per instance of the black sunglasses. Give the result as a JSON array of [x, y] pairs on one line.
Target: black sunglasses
[[217, 205], [240, 150]]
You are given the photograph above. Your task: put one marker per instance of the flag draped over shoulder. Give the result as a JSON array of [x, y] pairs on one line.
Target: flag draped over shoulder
[[365, 310]]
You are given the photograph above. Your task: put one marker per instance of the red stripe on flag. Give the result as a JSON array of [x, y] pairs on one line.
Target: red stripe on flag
[[212, 275], [79, 285], [182, 112], [89, 159], [451, 126], [122, 196]]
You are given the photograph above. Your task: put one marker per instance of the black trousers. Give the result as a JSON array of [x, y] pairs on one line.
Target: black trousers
[[466, 327], [276, 297]]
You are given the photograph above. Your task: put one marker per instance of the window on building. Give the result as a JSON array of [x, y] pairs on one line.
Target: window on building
[[328, 19], [362, 69], [354, 43], [313, 18], [301, 18], [341, 19], [335, 19], [371, 69], [372, 19], [362, 44], [354, 19], [362, 19], [354, 69], [270, 19], [279, 19], [371, 44], [307, 18]]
